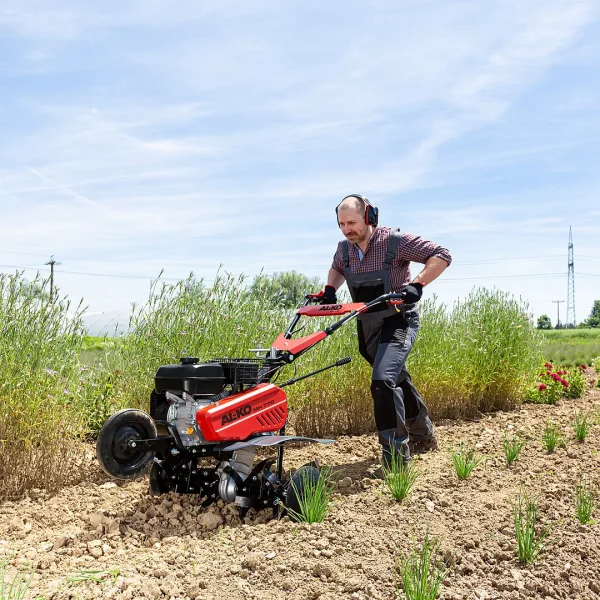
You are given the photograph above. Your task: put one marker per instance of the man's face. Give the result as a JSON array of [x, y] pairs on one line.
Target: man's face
[[353, 225]]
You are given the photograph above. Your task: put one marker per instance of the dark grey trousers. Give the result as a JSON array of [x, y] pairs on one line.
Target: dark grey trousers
[[400, 413]]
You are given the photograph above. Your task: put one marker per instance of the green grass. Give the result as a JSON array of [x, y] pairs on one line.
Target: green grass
[[529, 541], [90, 342], [96, 575], [551, 438], [399, 476], [581, 425], [422, 572], [512, 446], [315, 497], [571, 347], [465, 460], [585, 501], [17, 588]]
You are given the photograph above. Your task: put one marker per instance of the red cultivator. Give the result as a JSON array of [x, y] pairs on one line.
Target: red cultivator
[[223, 410]]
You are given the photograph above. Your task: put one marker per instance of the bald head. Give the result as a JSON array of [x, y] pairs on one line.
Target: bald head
[[354, 204]]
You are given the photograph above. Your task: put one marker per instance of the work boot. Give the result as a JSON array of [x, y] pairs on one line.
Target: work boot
[[402, 453], [422, 446]]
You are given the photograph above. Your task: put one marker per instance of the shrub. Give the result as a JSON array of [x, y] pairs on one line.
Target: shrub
[[576, 380], [550, 386], [481, 355]]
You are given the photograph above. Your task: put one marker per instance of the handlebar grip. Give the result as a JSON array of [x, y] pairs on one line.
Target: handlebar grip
[[314, 296], [343, 361]]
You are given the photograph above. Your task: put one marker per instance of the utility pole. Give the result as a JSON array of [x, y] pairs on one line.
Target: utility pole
[[557, 302], [570, 322], [52, 262]]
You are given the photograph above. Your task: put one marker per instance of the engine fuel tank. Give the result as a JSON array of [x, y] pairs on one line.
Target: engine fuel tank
[[262, 409], [206, 379]]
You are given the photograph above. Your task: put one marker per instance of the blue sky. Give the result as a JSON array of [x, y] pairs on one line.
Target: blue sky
[[140, 136]]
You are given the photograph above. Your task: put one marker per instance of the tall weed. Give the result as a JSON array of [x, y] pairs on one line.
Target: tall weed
[[42, 395]]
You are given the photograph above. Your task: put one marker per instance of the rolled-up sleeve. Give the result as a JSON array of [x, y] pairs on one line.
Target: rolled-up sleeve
[[414, 248], [338, 260]]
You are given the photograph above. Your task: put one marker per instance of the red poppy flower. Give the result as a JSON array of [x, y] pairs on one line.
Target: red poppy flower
[[543, 386]]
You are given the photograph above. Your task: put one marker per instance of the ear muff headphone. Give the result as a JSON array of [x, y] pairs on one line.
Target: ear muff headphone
[[371, 212]]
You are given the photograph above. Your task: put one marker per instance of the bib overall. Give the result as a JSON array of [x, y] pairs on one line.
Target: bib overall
[[385, 338]]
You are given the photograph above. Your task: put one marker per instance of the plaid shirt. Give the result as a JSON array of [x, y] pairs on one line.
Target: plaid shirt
[[410, 248]]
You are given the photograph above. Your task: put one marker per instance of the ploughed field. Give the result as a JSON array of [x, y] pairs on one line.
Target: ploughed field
[[110, 539]]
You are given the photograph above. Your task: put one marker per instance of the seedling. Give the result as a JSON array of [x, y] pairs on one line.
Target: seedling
[[314, 496], [586, 501], [512, 447], [398, 476], [581, 425], [551, 437], [97, 575], [422, 574], [17, 589], [465, 459], [529, 544]]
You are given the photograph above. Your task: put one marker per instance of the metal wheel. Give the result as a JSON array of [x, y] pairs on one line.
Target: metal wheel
[[118, 447], [159, 483]]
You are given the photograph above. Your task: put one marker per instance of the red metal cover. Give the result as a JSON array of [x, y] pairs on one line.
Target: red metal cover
[[299, 344], [259, 410]]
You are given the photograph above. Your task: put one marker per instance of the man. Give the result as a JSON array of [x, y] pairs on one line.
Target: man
[[375, 260]]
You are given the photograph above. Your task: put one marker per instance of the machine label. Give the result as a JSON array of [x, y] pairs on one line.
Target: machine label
[[327, 307], [242, 411], [264, 405]]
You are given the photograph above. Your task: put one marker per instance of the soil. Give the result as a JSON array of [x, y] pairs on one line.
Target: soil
[[138, 546]]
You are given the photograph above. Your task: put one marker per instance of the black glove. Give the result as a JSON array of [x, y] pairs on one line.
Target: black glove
[[412, 292], [329, 296]]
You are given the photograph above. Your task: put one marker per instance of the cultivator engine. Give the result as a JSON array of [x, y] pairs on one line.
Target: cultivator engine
[[207, 421]]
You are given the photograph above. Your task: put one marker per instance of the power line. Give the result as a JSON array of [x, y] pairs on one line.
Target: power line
[[532, 276], [117, 275], [149, 277], [315, 265]]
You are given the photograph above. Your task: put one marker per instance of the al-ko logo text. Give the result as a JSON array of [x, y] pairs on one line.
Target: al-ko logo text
[[327, 307], [234, 415]]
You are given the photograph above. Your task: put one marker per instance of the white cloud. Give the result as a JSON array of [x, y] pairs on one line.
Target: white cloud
[[209, 132]]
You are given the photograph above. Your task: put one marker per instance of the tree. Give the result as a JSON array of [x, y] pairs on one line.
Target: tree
[[287, 289], [36, 290], [544, 322], [594, 319]]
